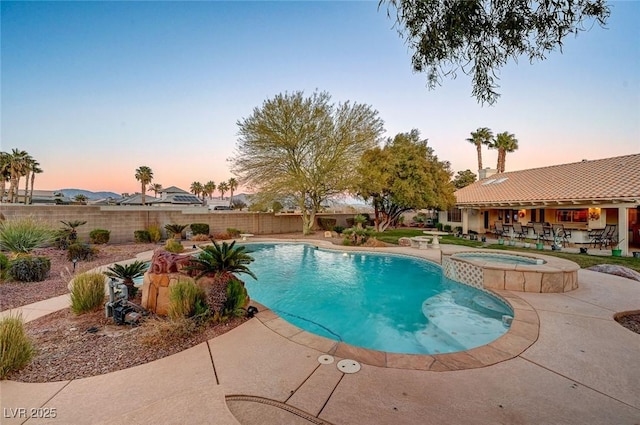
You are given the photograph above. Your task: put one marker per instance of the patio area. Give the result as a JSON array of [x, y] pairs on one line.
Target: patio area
[[578, 367]]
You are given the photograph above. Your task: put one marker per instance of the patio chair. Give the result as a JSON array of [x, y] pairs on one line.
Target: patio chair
[[498, 229], [560, 232], [603, 237], [610, 238], [519, 232], [541, 233]]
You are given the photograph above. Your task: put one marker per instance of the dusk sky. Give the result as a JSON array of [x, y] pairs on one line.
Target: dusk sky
[[94, 90]]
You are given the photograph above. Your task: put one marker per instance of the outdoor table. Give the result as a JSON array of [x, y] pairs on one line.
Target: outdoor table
[[435, 234]]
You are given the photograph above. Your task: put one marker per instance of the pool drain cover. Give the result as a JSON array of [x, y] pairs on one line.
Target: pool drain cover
[[325, 359], [348, 366]]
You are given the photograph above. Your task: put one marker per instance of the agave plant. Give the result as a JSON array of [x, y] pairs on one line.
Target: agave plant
[[128, 272], [222, 259], [176, 229]]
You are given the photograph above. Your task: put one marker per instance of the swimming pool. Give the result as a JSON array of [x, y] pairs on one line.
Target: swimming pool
[[498, 258], [389, 303]]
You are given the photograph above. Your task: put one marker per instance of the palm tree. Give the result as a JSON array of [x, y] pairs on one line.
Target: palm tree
[[504, 142], [127, 273], [35, 169], [144, 175], [225, 259], [233, 185], [209, 188], [18, 162], [482, 136], [197, 189], [156, 188], [222, 188], [5, 173], [80, 198]]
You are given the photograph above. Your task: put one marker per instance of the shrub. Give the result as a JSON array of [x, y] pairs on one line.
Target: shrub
[[15, 348], [142, 236], [338, 229], [174, 246], [200, 229], [87, 292], [350, 222], [29, 268], [99, 236], [81, 252], [234, 233], [447, 227], [222, 236], [200, 238], [187, 299], [439, 226], [155, 233], [327, 223], [175, 230], [4, 266], [236, 299], [24, 234], [355, 236]]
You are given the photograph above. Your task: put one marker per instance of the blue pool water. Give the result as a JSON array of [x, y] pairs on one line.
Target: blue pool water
[[498, 258], [382, 302]]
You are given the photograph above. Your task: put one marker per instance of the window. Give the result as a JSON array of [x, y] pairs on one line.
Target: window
[[572, 216], [454, 215]]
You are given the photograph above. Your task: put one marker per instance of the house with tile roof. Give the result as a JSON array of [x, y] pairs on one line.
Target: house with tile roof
[[582, 196]]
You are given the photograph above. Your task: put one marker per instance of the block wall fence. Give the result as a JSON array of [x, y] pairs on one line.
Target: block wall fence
[[122, 222]]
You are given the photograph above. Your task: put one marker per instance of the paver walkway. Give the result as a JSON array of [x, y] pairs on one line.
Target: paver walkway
[[581, 370]]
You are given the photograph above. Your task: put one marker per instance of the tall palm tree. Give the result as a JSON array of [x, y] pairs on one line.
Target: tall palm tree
[[156, 188], [482, 136], [144, 175], [222, 188], [35, 169], [197, 189], [18, 161], [233, 185], [209, 188], [5, 174], [504, 142]]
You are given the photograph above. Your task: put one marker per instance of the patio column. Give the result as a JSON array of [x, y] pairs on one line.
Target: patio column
[[465, 221], [623, 230]]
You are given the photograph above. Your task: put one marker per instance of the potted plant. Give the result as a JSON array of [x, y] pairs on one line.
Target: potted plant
[[512, 241], [616, 251], [539, 243], [527, 243]]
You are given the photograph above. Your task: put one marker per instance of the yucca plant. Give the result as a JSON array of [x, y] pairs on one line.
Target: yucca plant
[[128, 272], [87, 292], [221, 259], [15, 348], [176, 229], [24, 234]]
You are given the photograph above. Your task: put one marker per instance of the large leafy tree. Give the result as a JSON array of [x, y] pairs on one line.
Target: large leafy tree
[[144, 175], [463, 179], [304, 148], [478, 37], [481, 136], [505, 143], [401, 176]]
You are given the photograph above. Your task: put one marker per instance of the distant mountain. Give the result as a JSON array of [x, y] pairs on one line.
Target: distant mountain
[[93, 196]]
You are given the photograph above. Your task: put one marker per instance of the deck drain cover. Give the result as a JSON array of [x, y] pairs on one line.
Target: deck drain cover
[[348, 366], [325, 359]]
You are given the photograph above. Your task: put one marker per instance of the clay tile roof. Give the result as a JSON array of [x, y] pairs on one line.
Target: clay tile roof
[[602, 180]]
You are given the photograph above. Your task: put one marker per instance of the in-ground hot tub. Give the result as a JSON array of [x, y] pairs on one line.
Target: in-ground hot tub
[[489, 269]]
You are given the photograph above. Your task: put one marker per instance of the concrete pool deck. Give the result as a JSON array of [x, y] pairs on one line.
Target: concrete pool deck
[[581, 369]]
